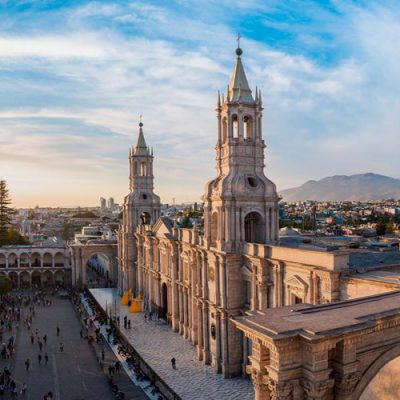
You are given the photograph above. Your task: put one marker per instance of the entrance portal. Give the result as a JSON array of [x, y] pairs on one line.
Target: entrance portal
[[164, 301]]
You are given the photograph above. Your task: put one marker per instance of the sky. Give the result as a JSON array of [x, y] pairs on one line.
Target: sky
[[76, 75]]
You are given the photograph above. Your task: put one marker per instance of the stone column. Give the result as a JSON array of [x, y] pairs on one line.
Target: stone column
[[206, 334], [259, 360]]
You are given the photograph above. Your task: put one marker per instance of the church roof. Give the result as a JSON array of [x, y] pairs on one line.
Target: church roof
[[141, 148], [238, 86]]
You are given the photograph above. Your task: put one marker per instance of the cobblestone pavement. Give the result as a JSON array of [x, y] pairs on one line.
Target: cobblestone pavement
[[157, 344], [73, 374]]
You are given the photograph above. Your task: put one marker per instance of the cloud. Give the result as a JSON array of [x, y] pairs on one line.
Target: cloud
[[72, 94]]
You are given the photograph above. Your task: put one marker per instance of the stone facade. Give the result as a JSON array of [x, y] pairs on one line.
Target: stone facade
[[200, 280], [27, 265]]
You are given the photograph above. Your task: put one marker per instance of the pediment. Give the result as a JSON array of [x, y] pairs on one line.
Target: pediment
[[297, 283], [162, 228], [246, 270]]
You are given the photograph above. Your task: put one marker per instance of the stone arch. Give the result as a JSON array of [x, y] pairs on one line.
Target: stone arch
[[164, 301], [254, 228], [12, 260], [373, 369], [214, 229], [59, 278], [59, 259], [36, 278], [36, 259], [24, 279], [14, 278], [145, 218], [248, 127], [47, 259], [235, 126], [47, 278], [24, 260]]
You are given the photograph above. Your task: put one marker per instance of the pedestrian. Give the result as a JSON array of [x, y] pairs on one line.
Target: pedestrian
[[58, 330], [173, 363], [27, 363], [32, 338], [61, 347], [24, 388], [129, 324], [81, 333], [39, 358], [102, 354], [45, 339], [50, 395], [46, 358], [40, 345]]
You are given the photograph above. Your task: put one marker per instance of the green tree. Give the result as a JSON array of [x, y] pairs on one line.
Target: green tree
[[5, 284], [6, 211], [14, 238], [381, 227]]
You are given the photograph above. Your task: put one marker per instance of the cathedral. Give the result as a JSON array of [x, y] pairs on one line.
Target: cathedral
[[199, 280]]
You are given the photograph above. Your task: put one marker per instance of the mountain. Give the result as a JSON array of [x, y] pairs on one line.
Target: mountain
[[361, 187]]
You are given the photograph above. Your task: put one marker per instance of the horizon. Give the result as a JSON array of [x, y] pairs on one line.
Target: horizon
[[75, 78]]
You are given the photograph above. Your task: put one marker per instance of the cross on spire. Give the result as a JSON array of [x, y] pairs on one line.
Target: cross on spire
[[238, 40]]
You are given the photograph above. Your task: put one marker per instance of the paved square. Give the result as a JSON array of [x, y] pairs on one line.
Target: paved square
[[157, 344]]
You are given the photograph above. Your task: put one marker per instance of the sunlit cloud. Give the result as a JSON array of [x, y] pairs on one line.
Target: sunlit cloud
[[74, 79]]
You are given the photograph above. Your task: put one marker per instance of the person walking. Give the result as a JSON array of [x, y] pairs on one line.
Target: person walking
[[40, 345], [27, 363], [24, 388], [45, 339], [173, 363], [61, 347], [39, 358], [46, 358], [58, 330]]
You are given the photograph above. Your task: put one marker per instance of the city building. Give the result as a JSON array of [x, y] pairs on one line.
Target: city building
[[110, 204], [36, 265], [103, 205], [198, 280]]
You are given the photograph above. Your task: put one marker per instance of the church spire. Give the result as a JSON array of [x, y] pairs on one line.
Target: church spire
[[239, 87], [141, 148]]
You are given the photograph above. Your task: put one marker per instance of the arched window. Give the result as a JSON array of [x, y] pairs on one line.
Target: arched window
[[248, 127], [224, 130], [145, 218], [235, 126], [135, 168], [142, 169], [254, 231], [214, 229]]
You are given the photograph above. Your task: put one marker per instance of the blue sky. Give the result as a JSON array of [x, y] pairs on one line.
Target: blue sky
[[75, 75]]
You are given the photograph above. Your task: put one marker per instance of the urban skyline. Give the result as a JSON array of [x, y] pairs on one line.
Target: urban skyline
[[76, 76]]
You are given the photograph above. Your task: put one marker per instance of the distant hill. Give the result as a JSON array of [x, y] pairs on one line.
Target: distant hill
[[362, 187]]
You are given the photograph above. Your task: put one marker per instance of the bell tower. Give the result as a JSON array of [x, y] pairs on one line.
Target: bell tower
[[141, 206], [241, 203]]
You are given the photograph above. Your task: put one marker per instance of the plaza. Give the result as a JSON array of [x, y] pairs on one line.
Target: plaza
[[158, 344], [74, 373]]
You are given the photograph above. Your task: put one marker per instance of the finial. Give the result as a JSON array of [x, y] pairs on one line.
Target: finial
[[239, 51], [140, 119]]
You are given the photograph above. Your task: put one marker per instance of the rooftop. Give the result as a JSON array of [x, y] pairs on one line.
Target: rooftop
[[312, 322]]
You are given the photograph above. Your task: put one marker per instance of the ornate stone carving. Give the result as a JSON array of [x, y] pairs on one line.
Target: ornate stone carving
[[345, 384], [317, 390], [280, 390]]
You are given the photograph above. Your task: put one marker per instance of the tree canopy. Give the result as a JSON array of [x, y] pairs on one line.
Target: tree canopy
[[6, 212], [5, 284]]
